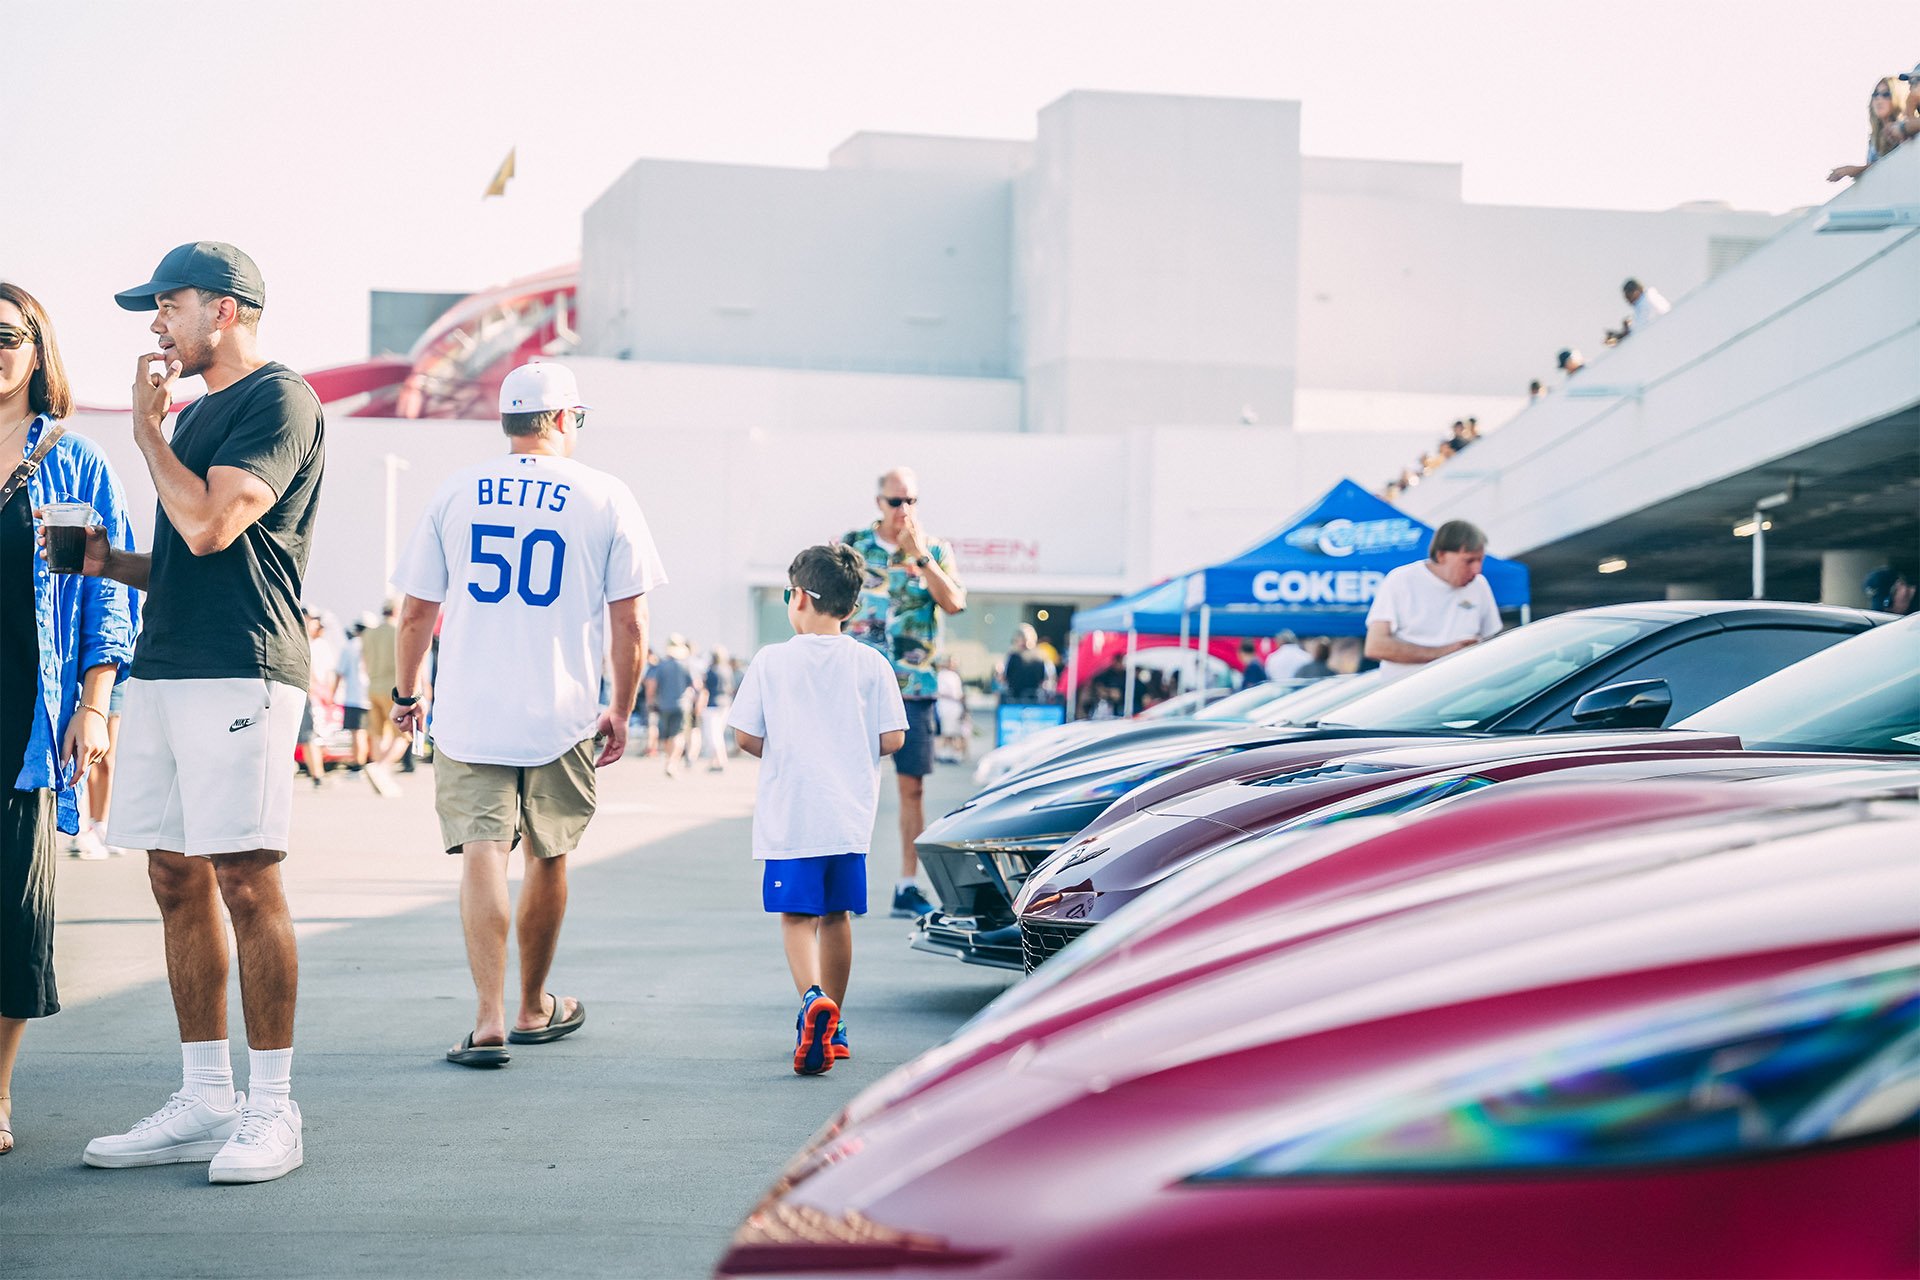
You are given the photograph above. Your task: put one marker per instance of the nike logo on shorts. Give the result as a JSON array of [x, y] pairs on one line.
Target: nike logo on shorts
[[238, 725]]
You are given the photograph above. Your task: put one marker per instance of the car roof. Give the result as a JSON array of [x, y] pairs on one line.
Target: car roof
[[1777, 610]]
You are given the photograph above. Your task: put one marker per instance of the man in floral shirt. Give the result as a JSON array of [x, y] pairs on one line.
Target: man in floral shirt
[[911, 580]]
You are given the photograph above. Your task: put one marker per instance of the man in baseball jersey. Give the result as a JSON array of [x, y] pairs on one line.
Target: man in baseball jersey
[[534, 559]]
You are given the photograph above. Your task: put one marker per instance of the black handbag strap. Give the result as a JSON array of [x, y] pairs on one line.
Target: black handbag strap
[[31, 463]]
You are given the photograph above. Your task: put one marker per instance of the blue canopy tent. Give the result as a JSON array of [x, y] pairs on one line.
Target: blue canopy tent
[[1316, 575]]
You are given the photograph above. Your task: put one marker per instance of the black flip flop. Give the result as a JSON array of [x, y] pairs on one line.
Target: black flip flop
[[470, 1054], [553, 1030]]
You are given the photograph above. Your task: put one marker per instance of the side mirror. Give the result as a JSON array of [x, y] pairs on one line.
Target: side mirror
[[1635, 704]]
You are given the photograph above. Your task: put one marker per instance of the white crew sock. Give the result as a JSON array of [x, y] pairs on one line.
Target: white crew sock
[[207, 1071], [269, 1075], [903, 884]]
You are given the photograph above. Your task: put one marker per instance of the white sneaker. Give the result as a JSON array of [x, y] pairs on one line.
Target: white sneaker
[[187, 1130], [91, 846], [265, 1146]]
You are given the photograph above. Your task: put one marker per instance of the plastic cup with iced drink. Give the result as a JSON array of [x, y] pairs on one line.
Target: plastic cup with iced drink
[[66, 525]]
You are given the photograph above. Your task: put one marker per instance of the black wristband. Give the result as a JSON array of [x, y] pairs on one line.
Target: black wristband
[[921, 562], [400, 701]]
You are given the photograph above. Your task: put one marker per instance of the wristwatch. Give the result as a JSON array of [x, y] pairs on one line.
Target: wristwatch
[[400, 701], [921, 562]]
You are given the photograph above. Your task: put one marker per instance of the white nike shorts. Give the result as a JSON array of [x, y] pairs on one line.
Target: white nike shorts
[[205, 767]]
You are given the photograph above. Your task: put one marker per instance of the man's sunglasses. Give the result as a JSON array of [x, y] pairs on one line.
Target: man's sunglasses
[[12, 339], [899, 502], [786, 597]]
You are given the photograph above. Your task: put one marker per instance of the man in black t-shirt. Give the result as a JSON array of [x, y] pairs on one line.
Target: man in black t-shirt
[[213, 708]]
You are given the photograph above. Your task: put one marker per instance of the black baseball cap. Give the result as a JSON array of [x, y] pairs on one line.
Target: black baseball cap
[[204, 264]]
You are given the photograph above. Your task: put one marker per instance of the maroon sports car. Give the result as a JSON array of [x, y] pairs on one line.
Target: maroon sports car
[[1687, 1047]]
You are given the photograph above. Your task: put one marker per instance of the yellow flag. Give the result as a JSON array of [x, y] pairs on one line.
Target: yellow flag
[[498, 187]]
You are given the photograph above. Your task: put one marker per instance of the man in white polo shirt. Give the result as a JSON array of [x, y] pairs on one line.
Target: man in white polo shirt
[[1435, 607], [533, 558]]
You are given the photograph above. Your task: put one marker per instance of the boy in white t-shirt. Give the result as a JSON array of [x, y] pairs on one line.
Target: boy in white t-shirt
[[819, 710], [1440, 605]]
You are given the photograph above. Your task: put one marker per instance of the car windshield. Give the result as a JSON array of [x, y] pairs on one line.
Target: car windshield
[[1184, 704], [1860, 695], [1316, 700], [1242, 705], [1478, 685]]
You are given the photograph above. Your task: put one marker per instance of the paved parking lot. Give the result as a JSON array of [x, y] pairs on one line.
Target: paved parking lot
[[631, 1148]]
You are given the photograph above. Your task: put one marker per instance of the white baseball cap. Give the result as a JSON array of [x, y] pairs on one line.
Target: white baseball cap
[[538, 387]]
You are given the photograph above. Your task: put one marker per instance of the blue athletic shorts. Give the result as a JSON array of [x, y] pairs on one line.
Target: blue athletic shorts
[[815, 886]]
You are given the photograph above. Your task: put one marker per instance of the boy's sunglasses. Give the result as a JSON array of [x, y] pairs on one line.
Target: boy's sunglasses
[[12, 339], [899, 502], [786, 597]]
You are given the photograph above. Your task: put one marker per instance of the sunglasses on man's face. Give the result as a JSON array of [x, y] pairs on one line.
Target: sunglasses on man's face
[[899, 502], [787, 595], [12, 339]]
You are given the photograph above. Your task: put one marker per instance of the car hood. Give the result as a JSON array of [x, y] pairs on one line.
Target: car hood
[[1037, 804], [1112, 859]]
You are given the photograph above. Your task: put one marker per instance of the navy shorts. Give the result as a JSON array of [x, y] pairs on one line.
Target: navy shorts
[[353, 719], [815, 886], [915, 757]]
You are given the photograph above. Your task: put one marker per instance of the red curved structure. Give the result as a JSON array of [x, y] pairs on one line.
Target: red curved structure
[[455, 368]]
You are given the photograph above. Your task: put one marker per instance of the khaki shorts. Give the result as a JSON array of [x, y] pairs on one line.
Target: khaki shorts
[[547, 805]]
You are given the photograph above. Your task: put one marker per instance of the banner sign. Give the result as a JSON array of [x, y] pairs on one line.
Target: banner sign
[[1013, 721], [1370, 537]]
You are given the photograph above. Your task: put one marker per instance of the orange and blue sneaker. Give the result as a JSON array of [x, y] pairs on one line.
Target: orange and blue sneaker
[[841, 1049], [815, 1027]]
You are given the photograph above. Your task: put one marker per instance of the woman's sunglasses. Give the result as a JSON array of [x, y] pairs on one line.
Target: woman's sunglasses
[[899, 502], [11, 339], [786, 597]]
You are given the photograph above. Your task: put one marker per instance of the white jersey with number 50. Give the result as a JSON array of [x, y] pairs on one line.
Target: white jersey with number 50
[[523, 552]]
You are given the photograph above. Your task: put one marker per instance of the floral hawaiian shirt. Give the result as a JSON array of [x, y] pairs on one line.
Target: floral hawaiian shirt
[[896, 614]]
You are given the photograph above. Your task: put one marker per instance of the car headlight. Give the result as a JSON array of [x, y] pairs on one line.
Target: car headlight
[[1819, 1056]]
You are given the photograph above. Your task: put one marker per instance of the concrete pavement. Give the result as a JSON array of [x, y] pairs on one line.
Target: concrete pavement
[[632, 1148]]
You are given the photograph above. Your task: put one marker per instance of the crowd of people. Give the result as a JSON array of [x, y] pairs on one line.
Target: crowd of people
[[1645, 304], [195, 674], [1460, 436], [1893, 120]]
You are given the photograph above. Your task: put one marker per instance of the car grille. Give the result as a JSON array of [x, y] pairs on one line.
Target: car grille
[[1040, 939]]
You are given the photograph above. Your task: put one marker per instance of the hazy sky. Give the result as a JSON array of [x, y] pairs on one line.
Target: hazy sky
[[345, 145]]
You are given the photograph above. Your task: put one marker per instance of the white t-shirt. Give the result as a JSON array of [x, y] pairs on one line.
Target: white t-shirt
[[1648, 307], [1422, 609], [821, 703], [524, 552], [1283, 662]]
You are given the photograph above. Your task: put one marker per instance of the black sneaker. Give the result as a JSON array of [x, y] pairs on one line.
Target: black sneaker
[[909, 903]]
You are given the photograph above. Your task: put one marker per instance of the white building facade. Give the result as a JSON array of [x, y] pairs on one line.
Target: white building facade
[[1124, 347]]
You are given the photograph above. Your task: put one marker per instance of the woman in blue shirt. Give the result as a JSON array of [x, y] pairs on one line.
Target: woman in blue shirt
[[64, 640]]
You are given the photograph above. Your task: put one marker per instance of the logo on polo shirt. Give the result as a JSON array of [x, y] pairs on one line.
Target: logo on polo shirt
[[240, 724]]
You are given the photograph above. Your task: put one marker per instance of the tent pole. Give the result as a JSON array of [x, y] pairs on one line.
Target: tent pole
[[1133, 637], [1073, 672], [1185, 614], [1206, 619]]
